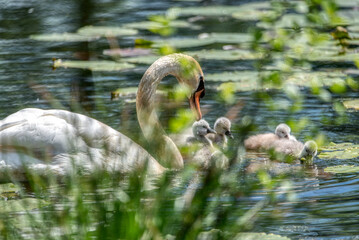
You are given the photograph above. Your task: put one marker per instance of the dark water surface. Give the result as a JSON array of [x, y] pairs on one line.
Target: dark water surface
[[325, 208]]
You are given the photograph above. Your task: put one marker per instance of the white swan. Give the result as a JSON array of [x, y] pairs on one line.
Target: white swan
[[205, 156], [265, 141], [56, 140], [222, 126]]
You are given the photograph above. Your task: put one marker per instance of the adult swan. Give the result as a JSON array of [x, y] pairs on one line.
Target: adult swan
[[58, 141]]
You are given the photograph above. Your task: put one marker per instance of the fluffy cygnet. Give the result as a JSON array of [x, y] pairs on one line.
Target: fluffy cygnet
[[200, 129], [297, 149], [265, 141], [206, 156], [223, 128]]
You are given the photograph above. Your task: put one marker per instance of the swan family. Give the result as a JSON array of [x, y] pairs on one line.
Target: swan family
[[59, 141]]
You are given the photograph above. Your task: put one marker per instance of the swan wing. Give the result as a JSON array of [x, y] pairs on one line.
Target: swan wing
[[69, 138]]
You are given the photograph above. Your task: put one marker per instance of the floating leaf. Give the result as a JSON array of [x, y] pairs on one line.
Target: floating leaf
[[229, 38], [208, 11], [182, 42], [347, 4], [153, 25], [127, 52], [250, 80], [120, 92], [147, 60], [253, 14], [256, 236], [9, 187], [290, 20], [214, 54], [339, 151], [93, 65], [132, 91], [21, 205], [342, 169], [250, 11], [352, 104], [62, 37], [106, 31]]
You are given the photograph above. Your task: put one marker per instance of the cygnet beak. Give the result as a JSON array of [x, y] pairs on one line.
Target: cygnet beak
[[229, 134], [210, 130]]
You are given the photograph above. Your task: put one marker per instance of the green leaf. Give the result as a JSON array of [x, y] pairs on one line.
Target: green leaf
[[182, 42], [21, 205], [227, 38], [93, 65], [338, 86], [62, 37], [256, 236], [351, 104], [147, 60], [340, 151], [147, 25], [342, 169], [251, 80], [214, 54], [106, 31]]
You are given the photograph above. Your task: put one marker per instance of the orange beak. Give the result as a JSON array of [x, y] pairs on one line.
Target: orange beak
[[194, 103]]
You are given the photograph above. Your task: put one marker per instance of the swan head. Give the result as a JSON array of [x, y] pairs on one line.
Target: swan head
[[201, 128], [309, 151], [283, 131], [190, 74], [223, 126]]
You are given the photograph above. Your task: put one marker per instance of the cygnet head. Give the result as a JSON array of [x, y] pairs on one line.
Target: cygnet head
[[223, 126], [309, 151], [282, 131], [201, 128]]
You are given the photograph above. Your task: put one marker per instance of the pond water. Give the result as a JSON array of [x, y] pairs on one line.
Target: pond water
[[325, 208]]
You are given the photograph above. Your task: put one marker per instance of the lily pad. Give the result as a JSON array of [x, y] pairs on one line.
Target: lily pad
[[288, 21], [156, 25], [132, 91], [255, 236], [21, 205], [352, 104], [253, 14], [207, 11], [348, 4], [106, 31], [342, 169], [214, 54], [147, 60], [93, 65], [340, 151], [250, 80], [127, 52], [228, 38], [9, 187], [63, 37], [182, 42], [250, 11]]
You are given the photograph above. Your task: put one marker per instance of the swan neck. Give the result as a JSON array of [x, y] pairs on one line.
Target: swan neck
[[145, 102]]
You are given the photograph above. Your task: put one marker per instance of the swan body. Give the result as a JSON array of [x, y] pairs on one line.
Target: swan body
[[206, 156], [222, 126], [57, 140], [265, 141]]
